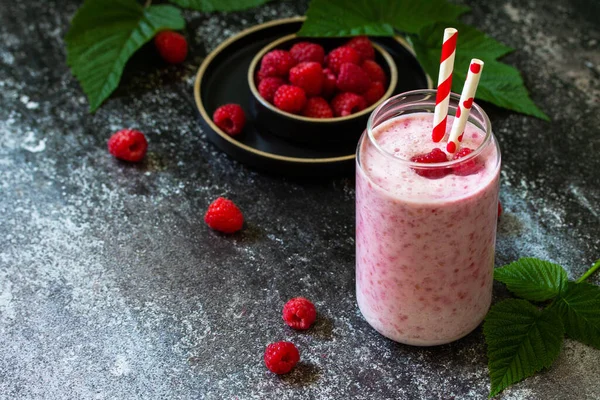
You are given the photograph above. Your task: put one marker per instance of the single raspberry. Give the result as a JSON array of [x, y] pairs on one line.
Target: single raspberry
[[230, 118], [329, 83], [268, 86], [317, 107], [352, 79], [224, 216], [281, 357], [306, 51], [374, 93], [469, 167], [374, 71], [299, 313], [340, 56], [128, 145], [434, 156], [289, 98], [171, 46], [499, 209], [347, 103], [276, 63], [308, 76], [363, 47]]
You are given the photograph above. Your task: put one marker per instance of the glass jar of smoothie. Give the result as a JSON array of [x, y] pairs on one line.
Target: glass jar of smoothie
[[425, 232]]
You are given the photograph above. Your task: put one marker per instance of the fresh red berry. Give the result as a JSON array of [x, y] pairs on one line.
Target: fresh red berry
[[434, 156], [374, 93], [224, 216], [276, 63], [306, 51], [281, 357], [347, 103], [171, 46], [469, 167], [290, 98], [374, 71], [499, 209], [329, 83], [340, 56], [128, 145], [308, 76], [299, 313], [268, 86], [317, 107], [363, 47], [230, 118], [352, 79]]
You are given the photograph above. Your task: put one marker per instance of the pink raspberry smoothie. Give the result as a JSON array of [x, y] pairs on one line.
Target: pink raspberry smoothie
[[424, 247]]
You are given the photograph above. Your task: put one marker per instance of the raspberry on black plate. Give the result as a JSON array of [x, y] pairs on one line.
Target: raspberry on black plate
[[290, 99], [363, 47], [342, 55], [230, 118], [308, 76], [347, 103], [171, 46], [306, 51]]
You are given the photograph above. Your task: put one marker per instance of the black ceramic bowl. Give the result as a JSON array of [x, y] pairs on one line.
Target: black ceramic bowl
[[315, 131]]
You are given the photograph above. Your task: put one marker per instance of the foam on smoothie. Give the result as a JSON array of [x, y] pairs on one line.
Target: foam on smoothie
[[408, 136]]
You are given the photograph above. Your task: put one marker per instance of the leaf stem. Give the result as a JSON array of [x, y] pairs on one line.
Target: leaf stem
[[148, 3], [589, 272]]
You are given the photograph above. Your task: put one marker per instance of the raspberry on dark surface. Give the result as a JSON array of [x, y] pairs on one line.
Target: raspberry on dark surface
[[299, 313], [363, 47], [317, 107], [374, 71], [276, 63], [128, 145], [499, 209], [329, 83], [290, 98], [230, 118], [468, 167], [374, 93], [308, 76], [268, 86], [353, 79], [281, 357], [171, 46], [224, 216], [434, 156], [306, 51], [347, 103], [342, 55]]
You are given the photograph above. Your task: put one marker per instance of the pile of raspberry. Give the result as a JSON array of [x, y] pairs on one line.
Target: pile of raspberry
[[306, 81]]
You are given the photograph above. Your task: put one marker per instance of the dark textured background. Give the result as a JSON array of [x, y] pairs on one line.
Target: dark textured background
[[112, 287]]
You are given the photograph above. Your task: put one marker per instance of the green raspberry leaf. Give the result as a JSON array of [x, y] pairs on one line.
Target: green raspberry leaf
[[521, 340], [533, 279], [104, 34], [375, 17], [500, 83], [579, 308], [218, 5]]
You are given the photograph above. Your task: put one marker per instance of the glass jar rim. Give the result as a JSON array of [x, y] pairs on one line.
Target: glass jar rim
[[414, 164]]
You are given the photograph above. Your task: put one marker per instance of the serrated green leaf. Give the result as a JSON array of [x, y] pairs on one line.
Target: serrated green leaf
[[218, 5], [579, 308], [521, 340], [500, 83], [104, 34], [533, 279], [375, 17]]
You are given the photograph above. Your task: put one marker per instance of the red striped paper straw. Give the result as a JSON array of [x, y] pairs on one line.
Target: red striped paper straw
[[464, 105], [442, 98]]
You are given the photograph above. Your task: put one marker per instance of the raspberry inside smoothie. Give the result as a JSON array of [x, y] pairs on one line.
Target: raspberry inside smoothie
[[424, 247]]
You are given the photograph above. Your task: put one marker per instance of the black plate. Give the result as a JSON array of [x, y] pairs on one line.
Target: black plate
[[222, 78]]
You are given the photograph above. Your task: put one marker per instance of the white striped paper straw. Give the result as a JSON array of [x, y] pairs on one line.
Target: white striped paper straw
[[464, 105], [444, 88]]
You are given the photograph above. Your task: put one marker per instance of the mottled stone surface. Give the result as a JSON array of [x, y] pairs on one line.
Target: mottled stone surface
[[112, 287]]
